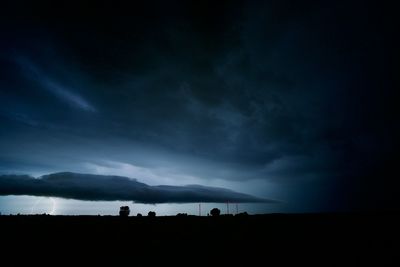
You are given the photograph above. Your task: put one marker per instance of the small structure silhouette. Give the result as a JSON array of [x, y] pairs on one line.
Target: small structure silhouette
[[151, 214], [215, 212], [124, 211]]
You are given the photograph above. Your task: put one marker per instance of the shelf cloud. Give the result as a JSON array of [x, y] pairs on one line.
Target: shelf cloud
[[102, 187]]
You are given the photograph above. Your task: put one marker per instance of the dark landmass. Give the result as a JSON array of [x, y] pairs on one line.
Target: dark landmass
[[324, 239]]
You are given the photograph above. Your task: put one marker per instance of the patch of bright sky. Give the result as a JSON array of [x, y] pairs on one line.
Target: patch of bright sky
[[58, 206]]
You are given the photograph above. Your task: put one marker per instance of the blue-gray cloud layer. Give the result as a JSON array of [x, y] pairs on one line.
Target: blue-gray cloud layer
[[100, 187], [298, 93]]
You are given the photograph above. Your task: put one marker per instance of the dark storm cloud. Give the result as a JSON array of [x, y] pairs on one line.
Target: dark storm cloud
[[33, 73], [98, 187], [284, 91]]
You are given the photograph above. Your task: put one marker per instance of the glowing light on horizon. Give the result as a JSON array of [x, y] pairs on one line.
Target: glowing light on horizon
[[53, 208], [34, 205]]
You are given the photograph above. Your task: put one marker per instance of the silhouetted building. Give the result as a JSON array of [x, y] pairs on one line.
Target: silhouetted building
[[151, 214], [215, 212], [124, 211]]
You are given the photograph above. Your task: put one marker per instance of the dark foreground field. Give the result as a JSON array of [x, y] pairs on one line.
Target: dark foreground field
[[323, 239]]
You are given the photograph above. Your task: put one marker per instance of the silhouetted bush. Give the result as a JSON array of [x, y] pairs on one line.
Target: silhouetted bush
[[151, 214], [215, 212], [124, 211], [242, 214], [181, 215], [139, 215]]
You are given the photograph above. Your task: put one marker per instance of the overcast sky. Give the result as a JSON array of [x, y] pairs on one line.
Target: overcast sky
[[286, 100]]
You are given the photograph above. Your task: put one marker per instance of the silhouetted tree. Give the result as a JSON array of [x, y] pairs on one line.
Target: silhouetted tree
[[139, 215], [124, 211], [151, 214], [215, 212], [242, 214]]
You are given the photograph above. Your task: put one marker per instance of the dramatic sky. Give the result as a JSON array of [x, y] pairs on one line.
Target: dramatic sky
[[286, 100]]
